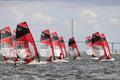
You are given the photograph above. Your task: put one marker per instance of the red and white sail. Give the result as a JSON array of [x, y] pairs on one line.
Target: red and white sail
[[46, 39], [21, 47], [72, 44], [6, 36], [61, 39], [7, 47], [56, 42], [107, 48], [23, 34], [88, 42], [97, 41]]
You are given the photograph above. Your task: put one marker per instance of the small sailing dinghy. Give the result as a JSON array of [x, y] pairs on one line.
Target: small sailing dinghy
[[7, 48], [100, 40], [58, 51], [107, 48], [24, 35], [74, 52], [46, 46], [90, 48], [61, 39]]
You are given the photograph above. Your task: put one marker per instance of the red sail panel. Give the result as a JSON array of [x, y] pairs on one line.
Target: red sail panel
[[109, 56], [23, 34], [63, 45], [72, 43], [46, 39], [97, 40], [56, 42], [6, 36], [88, 41]]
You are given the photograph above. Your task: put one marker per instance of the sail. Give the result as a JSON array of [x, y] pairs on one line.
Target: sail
[[109, 56], [23, 34], [21, 47], [6, 36], [7, 48], [88, 41], [56, 42], [63, 45], [97, 41], [72, 44], [46, 39]]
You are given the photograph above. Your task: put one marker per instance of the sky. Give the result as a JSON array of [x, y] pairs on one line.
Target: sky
[[88, 16]]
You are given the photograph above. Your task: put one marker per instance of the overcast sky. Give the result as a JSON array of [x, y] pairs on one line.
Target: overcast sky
[[89, 16]]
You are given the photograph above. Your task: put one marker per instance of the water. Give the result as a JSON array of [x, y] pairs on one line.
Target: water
[[85, 69]]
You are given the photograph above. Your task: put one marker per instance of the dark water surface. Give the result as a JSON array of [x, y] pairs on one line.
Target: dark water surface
[[85, 69]]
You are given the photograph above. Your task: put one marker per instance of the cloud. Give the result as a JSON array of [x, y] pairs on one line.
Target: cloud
[[90, 18], [19, 13], [88, 14], [42, 18], [26, 13]]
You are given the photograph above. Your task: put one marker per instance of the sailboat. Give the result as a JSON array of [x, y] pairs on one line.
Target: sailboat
[[46, 47], [21, 48], [107, 48], [90, 48], [7, 49], [73, 49], [99, 41], [58, 51], [61, 39], [23, 35]]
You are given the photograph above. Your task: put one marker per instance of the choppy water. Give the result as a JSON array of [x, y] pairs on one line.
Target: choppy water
[[85, 69]]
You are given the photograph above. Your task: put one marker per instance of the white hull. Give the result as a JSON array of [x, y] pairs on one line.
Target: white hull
[[95, 58], [11, 62], [105, 60], [35, 62], [58, 60]]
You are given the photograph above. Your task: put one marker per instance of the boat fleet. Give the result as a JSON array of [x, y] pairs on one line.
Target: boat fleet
[[18, 46]]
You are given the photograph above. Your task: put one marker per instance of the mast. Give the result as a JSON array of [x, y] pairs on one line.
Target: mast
[[72, 24]]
